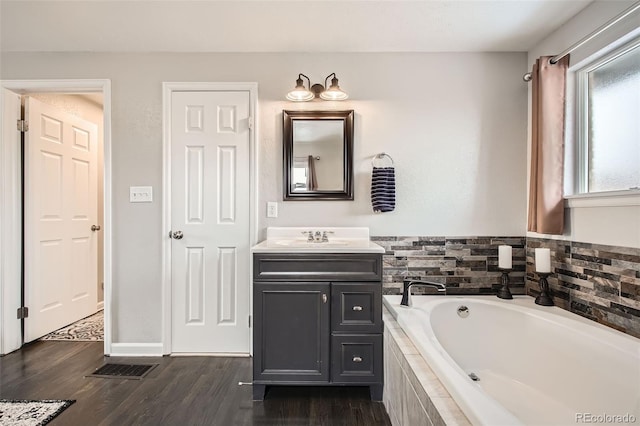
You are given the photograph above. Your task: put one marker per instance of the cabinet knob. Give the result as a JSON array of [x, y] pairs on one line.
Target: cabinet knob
[[357, 359], [324, 298], [357, 308]]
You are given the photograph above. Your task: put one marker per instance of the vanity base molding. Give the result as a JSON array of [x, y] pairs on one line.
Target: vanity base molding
[[260, 391]]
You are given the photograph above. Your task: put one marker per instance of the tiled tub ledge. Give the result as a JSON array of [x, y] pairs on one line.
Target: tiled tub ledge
[[413, 395]]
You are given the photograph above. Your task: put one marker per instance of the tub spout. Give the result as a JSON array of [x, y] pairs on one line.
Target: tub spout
[[406, 290]]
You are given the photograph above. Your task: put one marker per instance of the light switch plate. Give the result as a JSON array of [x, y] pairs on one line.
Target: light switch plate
[[140, 194], [272, 209]]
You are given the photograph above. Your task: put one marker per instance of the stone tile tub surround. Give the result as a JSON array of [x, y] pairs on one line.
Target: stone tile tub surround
[[467, 265], [598, 282], [413, 395]]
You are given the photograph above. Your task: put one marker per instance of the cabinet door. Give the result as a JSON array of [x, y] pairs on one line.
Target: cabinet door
[[291, 332], [356, 308]]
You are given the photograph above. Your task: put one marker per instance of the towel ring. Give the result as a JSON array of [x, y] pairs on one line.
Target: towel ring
[[381, 156]]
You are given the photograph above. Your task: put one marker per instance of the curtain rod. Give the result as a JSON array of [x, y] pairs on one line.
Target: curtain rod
[[588, 38]]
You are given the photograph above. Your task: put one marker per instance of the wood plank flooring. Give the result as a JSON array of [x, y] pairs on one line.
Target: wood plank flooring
[[181, 391]]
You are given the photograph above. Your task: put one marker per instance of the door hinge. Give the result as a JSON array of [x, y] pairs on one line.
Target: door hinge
[[250, 122], [23, 312], [23, 125], [249, 321]]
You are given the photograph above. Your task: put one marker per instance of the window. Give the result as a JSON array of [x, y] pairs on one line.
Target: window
[[609, 122]]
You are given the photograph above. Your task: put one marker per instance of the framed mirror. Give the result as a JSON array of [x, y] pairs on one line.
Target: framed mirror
[[318, 155]]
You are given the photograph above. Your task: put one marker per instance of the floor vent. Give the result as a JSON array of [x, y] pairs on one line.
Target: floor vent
[[123, 371]]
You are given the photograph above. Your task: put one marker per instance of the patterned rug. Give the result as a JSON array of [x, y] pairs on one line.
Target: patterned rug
[[30, 413], [89, 329]]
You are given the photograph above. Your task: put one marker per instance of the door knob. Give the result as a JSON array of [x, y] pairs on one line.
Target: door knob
[[176, 235], [95, 228]]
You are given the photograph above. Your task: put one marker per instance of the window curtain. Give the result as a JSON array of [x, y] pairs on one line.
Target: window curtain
[[546, 202], [312, 182]]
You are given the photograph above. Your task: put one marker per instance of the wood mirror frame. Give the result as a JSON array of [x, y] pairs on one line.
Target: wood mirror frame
[[345, 192]]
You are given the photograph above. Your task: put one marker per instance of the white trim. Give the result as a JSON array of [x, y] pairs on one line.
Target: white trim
[[136, 349], [10, 238], [604, 199], [581, 72], [10, 250], [212, 354], [167, 89]]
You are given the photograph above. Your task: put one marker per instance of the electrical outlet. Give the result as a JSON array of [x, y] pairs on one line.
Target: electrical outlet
[[272, 209], [140, 194]]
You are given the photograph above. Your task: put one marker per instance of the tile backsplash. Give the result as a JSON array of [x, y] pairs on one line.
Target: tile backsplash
[[598, 282], [467, 265]]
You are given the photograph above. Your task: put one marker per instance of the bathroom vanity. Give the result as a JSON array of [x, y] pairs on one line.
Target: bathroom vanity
[[317, 310]]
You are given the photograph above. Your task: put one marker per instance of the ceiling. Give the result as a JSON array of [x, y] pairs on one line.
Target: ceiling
[[281, 26]]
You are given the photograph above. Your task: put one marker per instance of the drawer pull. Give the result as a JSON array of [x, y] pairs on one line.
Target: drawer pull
[[357, 308], [357, 359]]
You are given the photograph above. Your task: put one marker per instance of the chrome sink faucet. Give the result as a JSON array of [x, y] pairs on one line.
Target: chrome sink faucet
[[325, 239], [406, 289], [317, 236]]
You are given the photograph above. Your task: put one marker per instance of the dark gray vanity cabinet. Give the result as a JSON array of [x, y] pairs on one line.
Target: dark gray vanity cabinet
[[317, 320]]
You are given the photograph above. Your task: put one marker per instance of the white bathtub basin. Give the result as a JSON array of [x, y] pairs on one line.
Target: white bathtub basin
[[536, 365]]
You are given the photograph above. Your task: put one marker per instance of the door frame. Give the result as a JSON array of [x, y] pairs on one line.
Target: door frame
[[167, 90], [10, 187]]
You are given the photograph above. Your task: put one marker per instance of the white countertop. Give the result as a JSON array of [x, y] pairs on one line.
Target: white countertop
[[340, 240], [269, 247]]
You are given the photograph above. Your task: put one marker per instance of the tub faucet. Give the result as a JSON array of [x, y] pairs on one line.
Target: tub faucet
[[406, 290]]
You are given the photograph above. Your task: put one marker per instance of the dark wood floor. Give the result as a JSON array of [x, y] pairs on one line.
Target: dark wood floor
[[181, 391]]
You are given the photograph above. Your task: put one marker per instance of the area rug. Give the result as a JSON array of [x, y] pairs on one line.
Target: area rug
[[30, 413], [89, 329]]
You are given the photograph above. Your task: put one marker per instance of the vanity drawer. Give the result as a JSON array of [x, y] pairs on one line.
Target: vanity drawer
[[317, 267], [356, 359], [356, 308]]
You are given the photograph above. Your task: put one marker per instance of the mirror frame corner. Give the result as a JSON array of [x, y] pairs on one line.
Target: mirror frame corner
[[289, 116]]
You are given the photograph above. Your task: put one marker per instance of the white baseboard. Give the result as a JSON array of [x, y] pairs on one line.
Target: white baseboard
[[101, 305], [136, 349], [214, 354]]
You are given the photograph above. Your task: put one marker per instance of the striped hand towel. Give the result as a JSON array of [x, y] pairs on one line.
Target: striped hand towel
[[383, 189]]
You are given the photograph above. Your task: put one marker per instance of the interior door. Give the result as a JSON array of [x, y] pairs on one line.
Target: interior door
[[60, 210], [210, 185]]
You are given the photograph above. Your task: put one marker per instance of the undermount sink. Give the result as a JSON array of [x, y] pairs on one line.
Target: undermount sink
[[296, 240], [313, 244]]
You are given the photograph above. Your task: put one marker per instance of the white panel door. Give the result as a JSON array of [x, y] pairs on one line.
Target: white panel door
[[60, 209], [210, 184]]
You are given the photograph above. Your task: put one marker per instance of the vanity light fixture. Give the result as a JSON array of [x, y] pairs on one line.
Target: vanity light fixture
[[302, 94]]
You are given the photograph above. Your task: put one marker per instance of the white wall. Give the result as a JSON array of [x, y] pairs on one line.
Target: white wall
[[455, 125], [606, 224]]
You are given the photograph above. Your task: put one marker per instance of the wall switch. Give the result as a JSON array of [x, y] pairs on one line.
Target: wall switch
[[272, 209], [140, 194]]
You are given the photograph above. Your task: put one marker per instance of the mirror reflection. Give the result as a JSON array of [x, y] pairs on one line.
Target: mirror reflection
[[318, 149], [318, 157]]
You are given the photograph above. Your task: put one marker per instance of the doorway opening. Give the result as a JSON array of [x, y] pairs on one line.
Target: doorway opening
[[87, 100]]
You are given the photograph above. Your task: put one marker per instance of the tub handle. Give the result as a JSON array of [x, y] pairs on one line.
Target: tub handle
[[357, 308], [357, 359]]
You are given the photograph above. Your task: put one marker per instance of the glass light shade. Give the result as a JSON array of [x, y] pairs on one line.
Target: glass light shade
[[300, 93], [334, 93]]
